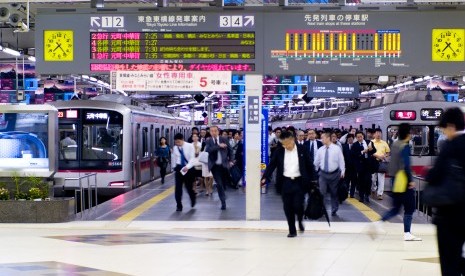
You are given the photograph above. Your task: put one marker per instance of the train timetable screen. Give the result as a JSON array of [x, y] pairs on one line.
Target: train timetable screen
[[172, 45]]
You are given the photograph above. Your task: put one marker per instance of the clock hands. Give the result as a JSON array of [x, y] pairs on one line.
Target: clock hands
[[448, 46], [58, 46]]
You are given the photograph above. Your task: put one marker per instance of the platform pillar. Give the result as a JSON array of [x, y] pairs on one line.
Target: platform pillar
[[252, 128]]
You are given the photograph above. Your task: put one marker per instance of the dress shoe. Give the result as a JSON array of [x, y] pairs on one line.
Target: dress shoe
[[223, 206], [291, 235], [193, 201], [178, 209], [361, 199], [380, 197], [301, 226], [334, 213], [351, 196], [367, 199]]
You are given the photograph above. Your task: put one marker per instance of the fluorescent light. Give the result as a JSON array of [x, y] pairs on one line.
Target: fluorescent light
[[31, 58], [390, 87], [462, 87], [11, 52], [419, 80], [93, 79], [427, 77], [86, 77], [408, 82]]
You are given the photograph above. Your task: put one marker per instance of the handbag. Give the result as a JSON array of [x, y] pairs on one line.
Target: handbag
[[450, 191], [236, 174], [383, 167], [400, 182], [203, 157]]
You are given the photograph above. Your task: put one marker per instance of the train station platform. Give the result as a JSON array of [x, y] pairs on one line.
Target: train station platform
[[140, 233]]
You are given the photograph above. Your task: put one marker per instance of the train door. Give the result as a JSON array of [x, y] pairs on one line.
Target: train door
[[138, 155], [152, 153]]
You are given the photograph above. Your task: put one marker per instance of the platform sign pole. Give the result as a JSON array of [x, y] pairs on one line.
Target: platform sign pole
[[253, 106], [264, 145]]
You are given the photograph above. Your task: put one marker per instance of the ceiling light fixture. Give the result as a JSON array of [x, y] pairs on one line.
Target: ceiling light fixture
[[31, 58], [11, 52]]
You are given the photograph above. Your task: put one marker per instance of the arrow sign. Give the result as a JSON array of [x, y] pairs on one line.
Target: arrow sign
[[94, 21], [249, 20]]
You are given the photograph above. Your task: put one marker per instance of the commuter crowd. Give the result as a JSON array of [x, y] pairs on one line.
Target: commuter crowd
[[342, 163]]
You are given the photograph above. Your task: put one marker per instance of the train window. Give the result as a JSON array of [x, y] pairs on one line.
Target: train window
[[68, 145], [419, 140], [101, 143], [439, 139], [145, 142], [157, 138]]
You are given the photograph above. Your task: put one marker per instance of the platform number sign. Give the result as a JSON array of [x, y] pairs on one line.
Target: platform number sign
[[107, 21], [236, 21]]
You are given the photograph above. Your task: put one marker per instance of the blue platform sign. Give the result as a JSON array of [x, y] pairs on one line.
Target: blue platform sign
[[264, 144]]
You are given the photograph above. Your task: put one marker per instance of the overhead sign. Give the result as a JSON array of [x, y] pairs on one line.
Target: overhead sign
[[189, 81], [403, 115], [130, 40], [333, 89], [430, 114], [375, 43]]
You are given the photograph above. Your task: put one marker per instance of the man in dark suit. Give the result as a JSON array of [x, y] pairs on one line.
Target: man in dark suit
[[219, 161], [294, 172], [362, 150], [312, 145], [350, 178]]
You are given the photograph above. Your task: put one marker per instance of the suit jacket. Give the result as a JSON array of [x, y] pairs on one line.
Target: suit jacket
[[453, 215], [349, 157], [305, 167], [361, 163], [319, 144], [213, 149]]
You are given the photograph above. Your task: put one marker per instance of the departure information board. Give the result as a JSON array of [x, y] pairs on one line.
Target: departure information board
[[178, 45], [130, 39]]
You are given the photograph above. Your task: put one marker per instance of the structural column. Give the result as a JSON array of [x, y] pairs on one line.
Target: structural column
[[253, 107]]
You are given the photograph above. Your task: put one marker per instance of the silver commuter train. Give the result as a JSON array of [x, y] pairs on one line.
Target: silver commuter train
[[115, 140], [387, 113]]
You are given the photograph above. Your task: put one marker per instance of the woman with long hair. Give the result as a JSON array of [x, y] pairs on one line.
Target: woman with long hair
[[163, 157]]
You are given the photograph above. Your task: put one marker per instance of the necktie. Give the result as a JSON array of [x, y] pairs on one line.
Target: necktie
[[312, 149], [326, 164], [183, 158]]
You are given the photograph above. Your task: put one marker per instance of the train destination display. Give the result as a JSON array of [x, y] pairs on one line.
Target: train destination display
[[179, 45]]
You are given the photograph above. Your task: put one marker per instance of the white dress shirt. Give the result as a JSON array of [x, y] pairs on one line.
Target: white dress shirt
[[189, 153], [291, 163], [335, 158]]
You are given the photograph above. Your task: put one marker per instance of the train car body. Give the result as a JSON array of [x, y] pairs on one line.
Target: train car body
[[116, 141], [387, 113]]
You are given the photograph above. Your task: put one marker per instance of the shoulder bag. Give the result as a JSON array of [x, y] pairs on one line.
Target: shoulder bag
[[203, 157]]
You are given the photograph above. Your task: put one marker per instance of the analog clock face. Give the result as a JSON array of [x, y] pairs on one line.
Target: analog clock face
[[448, 45], [58, 45]]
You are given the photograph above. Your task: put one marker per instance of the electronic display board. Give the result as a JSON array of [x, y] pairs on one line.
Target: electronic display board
[[132, 39], [156, 45]]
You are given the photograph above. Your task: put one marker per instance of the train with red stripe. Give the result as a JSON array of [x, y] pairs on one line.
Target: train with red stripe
[[113, 138], [421, 109]]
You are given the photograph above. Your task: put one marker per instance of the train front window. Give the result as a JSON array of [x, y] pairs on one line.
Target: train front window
[[419, 139], [102, 135], [68, 146]]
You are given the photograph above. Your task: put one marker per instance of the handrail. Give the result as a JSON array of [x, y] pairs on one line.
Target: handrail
[[419, 189], [81, 190]]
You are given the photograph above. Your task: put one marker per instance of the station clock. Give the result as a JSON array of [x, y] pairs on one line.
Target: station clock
[[58, 45], [448, 45]]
